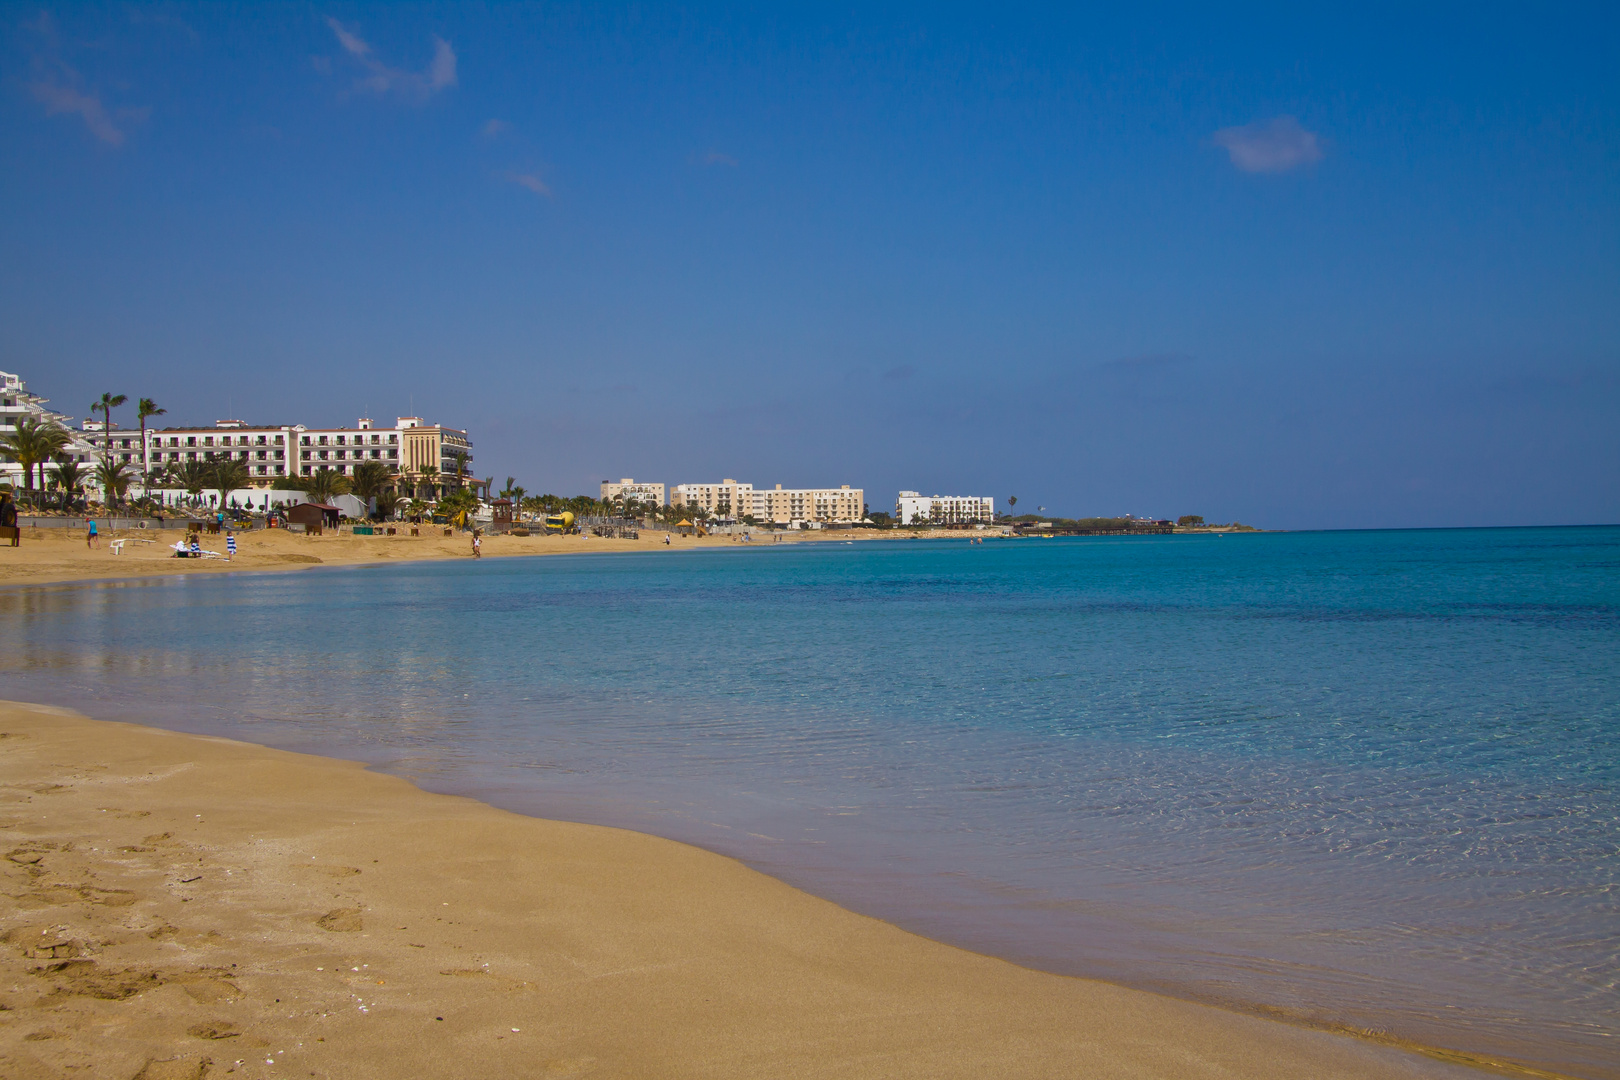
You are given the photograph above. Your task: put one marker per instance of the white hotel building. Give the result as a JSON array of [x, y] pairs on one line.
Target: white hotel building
[[914, 509], [779, 506], [274, 453], [17, 403]]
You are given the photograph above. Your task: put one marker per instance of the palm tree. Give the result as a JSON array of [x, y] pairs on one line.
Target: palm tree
[[226, 476], [194, 476], [34, 443], [114, 478], [370, 480], [429, 476], [107, 404], [68, 477], [459, 458], [387, 503], [144, 408], [324, 483]]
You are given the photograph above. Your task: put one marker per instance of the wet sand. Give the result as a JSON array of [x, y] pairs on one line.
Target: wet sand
[[180, 906]]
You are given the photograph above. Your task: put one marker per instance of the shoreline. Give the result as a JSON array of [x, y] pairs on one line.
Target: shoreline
[[52, 556], [610, 952], [60, 556]]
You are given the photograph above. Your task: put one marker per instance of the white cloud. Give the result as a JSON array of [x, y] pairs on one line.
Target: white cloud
[[382, 79], [64, 99], [1270, 146], [530, 181], [715, 157]]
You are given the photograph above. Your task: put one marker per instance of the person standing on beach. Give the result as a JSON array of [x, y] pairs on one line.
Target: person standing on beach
[[8, 517], [91, 538], [478, 545]]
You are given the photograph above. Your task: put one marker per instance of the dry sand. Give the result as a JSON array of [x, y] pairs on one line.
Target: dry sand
[[176, 906], [52, 555]]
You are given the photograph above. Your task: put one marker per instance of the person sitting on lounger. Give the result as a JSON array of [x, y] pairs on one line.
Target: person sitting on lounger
[[196, 548], [180, 551]]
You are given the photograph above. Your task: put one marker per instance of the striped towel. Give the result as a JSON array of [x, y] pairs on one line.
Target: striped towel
[[230, 544]]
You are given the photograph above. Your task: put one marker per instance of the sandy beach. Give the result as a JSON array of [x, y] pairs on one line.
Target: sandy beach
[[179, 906], [53, 555]]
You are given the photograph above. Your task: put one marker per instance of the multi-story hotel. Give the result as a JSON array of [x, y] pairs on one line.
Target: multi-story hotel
[[914, 509], [16, 403], [628, 489], [780, 506], [784, 506], [727, 499], [413, 447]]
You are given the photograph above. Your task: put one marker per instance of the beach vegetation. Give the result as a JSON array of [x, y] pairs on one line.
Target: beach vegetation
[[1186, 520], [226, 475], [114, 477], [193, 476], [287, 483], [67, 477], [324, 484], [33, 443], [370, 480], [144, 409], [107, 403]]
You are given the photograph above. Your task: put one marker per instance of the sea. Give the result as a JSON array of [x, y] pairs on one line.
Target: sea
[[1364, 778]]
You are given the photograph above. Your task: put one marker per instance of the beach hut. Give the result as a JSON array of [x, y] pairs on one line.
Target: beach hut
[[501, 516], [687, 528], [314, 516]]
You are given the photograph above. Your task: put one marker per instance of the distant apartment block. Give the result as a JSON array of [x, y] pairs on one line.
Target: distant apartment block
[[412, 446], [914, 509], [782, 506], [727, 499], [628, 489]]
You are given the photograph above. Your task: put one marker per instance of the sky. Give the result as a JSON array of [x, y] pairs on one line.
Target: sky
[[1310, 266]]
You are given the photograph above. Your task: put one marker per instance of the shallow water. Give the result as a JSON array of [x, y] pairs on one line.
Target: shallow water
[[1366, 777]]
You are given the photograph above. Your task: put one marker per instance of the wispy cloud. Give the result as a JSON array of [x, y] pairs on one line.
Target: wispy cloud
[[1270, 146], [65, 99], [711, 157], [60, 88], [528, 180], [382, 79], [900, 373], [493, 128]]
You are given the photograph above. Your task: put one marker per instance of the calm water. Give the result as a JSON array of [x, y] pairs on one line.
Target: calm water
[[1367, 777]]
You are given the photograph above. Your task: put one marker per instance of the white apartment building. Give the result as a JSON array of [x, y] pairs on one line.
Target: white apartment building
[[628, 489], [914, 509], [780, 506], [15, 404], [270, 453]]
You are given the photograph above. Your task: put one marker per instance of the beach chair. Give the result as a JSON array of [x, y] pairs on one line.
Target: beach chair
[[117, 546]]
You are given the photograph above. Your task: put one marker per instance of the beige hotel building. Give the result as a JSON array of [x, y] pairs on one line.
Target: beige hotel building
[[779, 505]]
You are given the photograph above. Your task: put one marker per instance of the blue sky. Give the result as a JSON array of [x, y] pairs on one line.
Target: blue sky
[[1350, 266]]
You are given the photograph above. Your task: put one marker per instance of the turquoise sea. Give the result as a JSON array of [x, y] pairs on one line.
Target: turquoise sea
[[1369, 778]]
